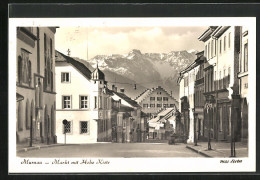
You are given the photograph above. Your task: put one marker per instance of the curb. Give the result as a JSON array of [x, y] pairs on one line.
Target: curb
[[198, 151], [38, 147]]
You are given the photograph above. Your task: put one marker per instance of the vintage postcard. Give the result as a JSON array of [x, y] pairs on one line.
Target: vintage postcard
[[132, 95]]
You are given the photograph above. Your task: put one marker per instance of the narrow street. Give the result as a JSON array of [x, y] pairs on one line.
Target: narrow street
[[118, 150]]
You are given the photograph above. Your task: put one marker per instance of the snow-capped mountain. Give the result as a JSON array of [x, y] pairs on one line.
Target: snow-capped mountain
[[145, 69]]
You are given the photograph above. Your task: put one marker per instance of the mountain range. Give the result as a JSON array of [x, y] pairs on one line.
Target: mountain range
[[146, 70]]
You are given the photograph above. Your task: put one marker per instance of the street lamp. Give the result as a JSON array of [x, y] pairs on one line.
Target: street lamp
[[64, 124]]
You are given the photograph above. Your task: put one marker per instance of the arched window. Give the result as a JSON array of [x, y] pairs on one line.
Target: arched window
[[30, 72], [20, 69], [20, 120], [52, 122], [27, 115], [51, 81], [45, 78], [33, 116]]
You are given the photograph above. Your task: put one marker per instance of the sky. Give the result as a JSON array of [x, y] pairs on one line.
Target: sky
[[121, 40]]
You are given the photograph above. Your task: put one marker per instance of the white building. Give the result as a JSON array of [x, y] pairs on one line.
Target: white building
[[81, 101]]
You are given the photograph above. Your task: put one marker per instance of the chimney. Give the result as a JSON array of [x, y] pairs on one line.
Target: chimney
[[122, 90], [114, 88]]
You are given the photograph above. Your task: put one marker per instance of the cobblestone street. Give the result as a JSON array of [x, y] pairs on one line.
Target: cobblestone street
[[113, 150]]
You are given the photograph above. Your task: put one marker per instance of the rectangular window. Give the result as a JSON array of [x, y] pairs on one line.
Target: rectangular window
[[165, 105], [67, 127], [220, 120], [100, 102], [209, 51], [95, 102], [246, 57], [152, 105], [225, 43], [65, 77], [224, 78], [220, 83], [215, 80], [83, 127], [212, 48], [152, 98], [171, 105], [220, 43], [83, 102], [66, 102], [159, 98], [45, 50], [165, 98], [229, 39], [206, 51], [159, 105], [145, 105]]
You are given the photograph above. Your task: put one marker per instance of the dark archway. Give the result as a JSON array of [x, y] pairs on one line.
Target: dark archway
[[244, 128]]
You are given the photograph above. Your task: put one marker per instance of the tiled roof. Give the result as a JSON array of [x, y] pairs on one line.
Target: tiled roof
[[78, 65], [147, 92], [127, 99]]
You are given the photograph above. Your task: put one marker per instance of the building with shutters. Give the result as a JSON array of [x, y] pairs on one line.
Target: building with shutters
[[35, 85], [154, 99], [81, 100]]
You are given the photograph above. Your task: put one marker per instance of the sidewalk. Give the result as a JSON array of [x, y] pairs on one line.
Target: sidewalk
[[219, 149], [25, 147]]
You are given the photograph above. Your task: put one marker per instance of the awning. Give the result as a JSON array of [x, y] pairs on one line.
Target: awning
[[19, 97]]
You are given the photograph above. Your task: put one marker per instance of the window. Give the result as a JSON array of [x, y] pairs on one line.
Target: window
[[66, 102], [212, 49], [100, 102], [95, 102], [145, 105], [45, 50], [171, 105], [152, 98], [152, 105], [159, 98], [229, 39], [220, 119], [83, 102], [224, 76], [220, 83], [215, 80], [206, 51], [246, 57], [83, 127], [165, 98], [220, 43], [165, 105], [67, 127], [209, 51], [65, 77], [159, 105], [24, 67], [225, 43]]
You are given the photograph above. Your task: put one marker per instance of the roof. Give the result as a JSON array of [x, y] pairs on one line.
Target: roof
[[127, 99], [219, 31], [206, 34], [147, 92], [78, 65], [19, 97], [97, 75], [166, 111]]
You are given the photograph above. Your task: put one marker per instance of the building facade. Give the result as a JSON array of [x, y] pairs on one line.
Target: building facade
[[35, 85], [154, 99], [128, 121], [82, 101], [243, 83]]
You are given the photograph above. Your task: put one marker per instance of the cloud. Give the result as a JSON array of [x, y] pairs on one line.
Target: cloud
[[120, 40]]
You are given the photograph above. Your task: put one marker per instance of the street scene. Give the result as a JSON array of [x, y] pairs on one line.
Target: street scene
[[131, 92]]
